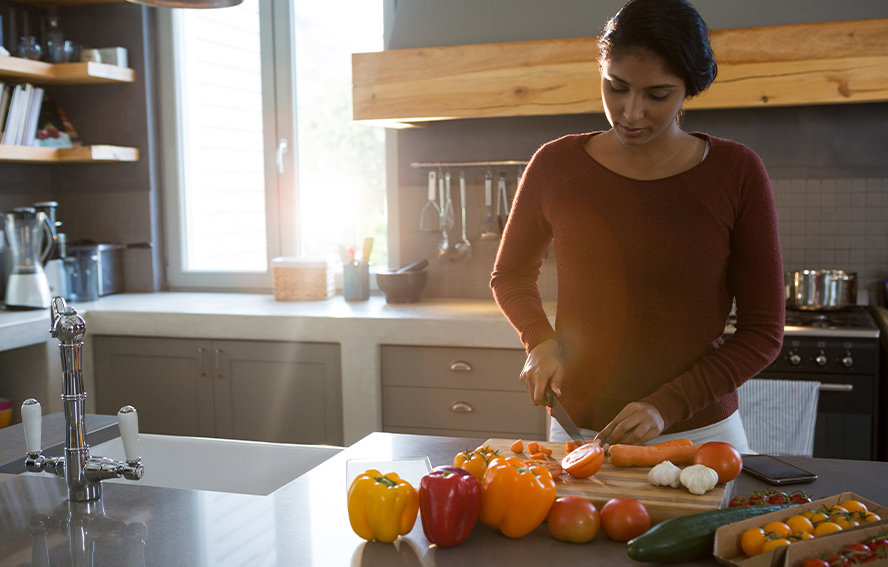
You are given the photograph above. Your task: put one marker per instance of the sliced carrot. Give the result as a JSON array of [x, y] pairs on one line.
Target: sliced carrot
[[517, 446], [533, 447], [570, 446], [537, 456], [546, 450], [651, 455]]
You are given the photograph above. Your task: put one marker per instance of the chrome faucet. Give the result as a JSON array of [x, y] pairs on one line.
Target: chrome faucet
[[82, 473]]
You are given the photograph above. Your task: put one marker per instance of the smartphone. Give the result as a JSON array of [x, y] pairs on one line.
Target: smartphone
[[774, 471]]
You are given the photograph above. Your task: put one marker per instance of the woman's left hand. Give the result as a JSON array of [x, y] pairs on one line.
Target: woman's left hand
[[636, 424]]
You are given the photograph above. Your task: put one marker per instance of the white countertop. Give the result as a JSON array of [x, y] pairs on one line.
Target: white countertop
[[359, 327]]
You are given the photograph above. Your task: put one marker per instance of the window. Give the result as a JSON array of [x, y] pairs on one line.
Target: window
[[261, 156]]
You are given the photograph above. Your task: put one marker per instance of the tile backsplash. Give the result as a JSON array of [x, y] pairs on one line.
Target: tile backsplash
[[836, 224], [824, 224]]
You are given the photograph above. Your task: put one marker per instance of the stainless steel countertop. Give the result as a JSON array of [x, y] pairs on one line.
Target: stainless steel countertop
[[306, 521]]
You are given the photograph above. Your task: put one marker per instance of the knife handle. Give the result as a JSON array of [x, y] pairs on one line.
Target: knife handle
[[550, 396]]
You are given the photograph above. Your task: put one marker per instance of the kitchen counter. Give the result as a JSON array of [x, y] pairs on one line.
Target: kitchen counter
[[306, 521], [359, 327]]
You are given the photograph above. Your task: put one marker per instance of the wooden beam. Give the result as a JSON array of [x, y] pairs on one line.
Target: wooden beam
[[825, 63]]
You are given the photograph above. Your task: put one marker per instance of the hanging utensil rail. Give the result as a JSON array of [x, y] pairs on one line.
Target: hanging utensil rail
[[470, 164]]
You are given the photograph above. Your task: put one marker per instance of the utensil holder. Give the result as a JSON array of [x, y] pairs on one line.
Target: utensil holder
[[356, 282]]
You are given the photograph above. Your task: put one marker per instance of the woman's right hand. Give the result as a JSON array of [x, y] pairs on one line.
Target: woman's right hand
[[543, 368]]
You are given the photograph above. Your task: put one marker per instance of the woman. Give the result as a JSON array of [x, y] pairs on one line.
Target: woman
[[656, 232]]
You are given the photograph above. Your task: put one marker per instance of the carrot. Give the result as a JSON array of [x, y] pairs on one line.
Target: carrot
[[673, 443], [547, 451], [533, 447], [537, 456], [517, 446], [651, 455], [570, 446]]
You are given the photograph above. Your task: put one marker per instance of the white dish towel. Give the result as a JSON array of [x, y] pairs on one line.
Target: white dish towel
[[779, 415]]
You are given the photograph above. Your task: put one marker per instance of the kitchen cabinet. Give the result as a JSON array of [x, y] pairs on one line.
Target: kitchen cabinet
[[803, 64], [285, 392], [472, 392]]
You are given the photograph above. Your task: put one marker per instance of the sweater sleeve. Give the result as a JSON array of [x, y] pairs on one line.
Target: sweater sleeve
[[520, 257], [755, 278]]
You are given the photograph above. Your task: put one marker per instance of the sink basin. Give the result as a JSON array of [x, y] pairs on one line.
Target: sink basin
[[221, 465]]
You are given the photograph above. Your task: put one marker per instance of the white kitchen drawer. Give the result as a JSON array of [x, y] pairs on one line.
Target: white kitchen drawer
[[453, 367], [468, 410]]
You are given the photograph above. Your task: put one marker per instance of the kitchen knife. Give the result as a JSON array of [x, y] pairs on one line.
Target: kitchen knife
[[560, 415]]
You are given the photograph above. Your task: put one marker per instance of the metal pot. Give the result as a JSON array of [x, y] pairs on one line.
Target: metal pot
[[820, 290]]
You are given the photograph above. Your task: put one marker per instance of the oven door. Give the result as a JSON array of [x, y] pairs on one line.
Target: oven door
[[846, 410]]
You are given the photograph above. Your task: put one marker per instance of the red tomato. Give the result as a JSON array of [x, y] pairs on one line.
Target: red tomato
[[815, 562], [721, 457], [624, 518], [583, 461], [573, 519]]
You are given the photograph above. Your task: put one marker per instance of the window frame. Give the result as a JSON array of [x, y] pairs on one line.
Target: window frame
[[277, 48]]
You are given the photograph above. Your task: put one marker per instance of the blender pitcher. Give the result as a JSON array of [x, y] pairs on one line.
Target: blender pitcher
[[27, 287]]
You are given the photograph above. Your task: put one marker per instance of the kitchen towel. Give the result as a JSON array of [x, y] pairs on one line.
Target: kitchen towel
[[779, 415]]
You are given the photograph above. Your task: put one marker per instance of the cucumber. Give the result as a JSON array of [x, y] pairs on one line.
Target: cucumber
[[686, 537]]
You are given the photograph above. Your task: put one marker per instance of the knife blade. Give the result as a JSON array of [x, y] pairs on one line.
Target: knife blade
[[560, 415]]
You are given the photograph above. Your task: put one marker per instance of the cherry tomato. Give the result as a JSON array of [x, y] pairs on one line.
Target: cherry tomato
[[816, 562], [752, 541], [573, 519], [737, 501], [624, 518], [721, 457], [583, 461], [778, 499], [799, 498]]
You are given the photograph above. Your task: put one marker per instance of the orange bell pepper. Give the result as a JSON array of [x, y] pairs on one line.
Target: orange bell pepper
[[516, 497], [381, 507]]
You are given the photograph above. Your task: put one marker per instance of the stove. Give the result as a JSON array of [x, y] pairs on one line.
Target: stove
[[839, 349]]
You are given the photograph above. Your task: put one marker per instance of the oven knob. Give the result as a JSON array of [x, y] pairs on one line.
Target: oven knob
[[795, 359], [821, 359], [847, 361]]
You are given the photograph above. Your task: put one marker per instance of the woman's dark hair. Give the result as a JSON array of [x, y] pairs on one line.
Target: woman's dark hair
[[671, 29]]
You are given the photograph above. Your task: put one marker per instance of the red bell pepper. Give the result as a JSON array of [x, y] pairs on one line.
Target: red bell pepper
[[449, 503]]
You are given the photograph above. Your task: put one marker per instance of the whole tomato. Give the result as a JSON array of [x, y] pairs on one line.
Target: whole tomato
[[721, 457], [624, 518], [816, 562], [573, 519]]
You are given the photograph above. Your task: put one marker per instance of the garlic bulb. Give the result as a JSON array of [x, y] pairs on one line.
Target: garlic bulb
[[665, 474], [699, 479]]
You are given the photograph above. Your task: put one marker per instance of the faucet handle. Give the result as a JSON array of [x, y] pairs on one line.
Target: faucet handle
[[128, 423], [31, 416]]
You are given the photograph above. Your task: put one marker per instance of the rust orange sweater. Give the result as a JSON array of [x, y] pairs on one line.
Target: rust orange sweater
[[647, 271]]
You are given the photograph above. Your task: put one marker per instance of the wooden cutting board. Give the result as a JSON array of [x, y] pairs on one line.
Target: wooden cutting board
[[662, 502]]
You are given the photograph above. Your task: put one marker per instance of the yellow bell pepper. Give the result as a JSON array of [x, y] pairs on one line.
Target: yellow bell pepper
[[515, 497], [381, 507], [476, 461]]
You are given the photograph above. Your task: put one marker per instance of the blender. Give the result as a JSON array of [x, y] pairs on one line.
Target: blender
[[27, 287]]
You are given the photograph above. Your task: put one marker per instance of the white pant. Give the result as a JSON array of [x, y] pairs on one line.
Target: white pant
[[729, 430]]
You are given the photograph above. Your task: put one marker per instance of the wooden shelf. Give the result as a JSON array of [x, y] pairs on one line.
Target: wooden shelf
[[81, 154], [80, 73], [825, 63]]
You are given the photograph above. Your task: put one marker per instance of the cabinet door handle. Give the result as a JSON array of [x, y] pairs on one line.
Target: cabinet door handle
[[201, 367], [460, 366], [837, 387], [462, 407], [217, 356]]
